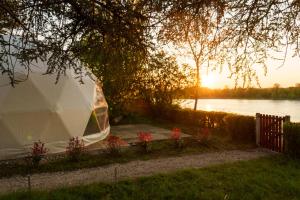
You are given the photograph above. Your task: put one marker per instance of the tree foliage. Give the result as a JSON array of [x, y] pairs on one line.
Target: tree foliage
[[117, 65], [162, 79], [116, 38], [195, 32], [63, 30], [258, 29]]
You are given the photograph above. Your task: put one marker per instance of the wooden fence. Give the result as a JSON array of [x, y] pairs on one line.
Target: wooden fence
[[269, 131]]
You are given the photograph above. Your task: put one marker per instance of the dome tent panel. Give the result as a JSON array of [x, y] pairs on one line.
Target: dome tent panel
[[49, 89], [23, 98], [74, 120], [92, 125], [55, 131], [39, 109], [20, 125], [101, 109], [7, 140]]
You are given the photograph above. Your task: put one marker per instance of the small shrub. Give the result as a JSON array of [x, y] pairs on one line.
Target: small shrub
[[292, 139], [75, 148], [203, 135], [38, 152], [176, 137], [145, 140], [240, 128], [114, 144]]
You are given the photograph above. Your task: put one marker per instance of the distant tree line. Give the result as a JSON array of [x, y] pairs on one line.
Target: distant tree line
[[292, 93]]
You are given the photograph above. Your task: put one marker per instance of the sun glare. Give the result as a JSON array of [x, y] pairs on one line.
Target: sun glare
[[208, 81]]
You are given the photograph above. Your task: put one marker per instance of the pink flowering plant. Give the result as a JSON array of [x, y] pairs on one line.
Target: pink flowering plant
[[204, 135], [145, 139], [176, 137], [75, 148], [38, 152], [114, 144]]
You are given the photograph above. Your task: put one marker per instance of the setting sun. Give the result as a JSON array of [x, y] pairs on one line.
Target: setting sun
[[208, 80]]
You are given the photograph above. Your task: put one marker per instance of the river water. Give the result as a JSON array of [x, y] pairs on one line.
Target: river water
[[248, 107]]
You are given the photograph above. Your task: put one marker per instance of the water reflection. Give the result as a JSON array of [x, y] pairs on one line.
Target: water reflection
[[248, 107]]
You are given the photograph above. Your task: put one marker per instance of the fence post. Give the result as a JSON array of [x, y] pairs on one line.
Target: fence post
[[29, 183], [257, 129], [287, 119]]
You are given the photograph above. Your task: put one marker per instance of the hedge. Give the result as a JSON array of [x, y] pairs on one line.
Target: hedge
[[238, 127], [191, 117], [292, 139]]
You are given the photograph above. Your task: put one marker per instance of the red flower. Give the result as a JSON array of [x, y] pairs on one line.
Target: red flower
[[176, 134], [114, 144], [145, 137], [145, 140], [115, 141], [204, 134], [75, 148], [38, 151]]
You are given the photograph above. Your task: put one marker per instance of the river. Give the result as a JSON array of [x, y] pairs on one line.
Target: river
[[248, 107]]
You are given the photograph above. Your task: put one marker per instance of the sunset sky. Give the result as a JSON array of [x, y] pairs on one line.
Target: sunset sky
[[287, 75]]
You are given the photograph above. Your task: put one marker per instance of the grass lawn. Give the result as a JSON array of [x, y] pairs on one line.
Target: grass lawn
[[274, 177]]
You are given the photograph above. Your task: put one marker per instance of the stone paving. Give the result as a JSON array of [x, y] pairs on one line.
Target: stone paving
[[128, 133]]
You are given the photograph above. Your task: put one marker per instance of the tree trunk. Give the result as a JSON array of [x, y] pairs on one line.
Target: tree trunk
[[197, 85]]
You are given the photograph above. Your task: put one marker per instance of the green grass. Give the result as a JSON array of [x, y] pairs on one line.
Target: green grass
[[267, 178]]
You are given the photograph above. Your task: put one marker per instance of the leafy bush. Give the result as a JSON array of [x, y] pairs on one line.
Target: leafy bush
[[75, 148], [191, 117], [162, 80], [240, 128], [114, 144], [38, 152], [292, 139], [145, 140], [176, 137], [203, 135]]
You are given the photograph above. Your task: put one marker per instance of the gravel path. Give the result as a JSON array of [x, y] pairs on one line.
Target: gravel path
[[131, 169]]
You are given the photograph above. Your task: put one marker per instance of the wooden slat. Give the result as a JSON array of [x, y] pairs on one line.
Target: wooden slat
[[281, 135], [276, 134], [271, 135], [265, 134], [263, 130], [268, 131]]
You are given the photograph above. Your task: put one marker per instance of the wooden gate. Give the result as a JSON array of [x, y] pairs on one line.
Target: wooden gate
[[269, 130]]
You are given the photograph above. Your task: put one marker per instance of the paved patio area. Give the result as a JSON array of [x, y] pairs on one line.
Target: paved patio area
[[129, 132]]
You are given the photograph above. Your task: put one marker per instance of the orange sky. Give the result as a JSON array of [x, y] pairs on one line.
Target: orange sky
[[287, 75]]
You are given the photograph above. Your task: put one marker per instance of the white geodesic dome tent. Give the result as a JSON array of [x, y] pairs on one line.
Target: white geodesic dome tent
[[39, 109]]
